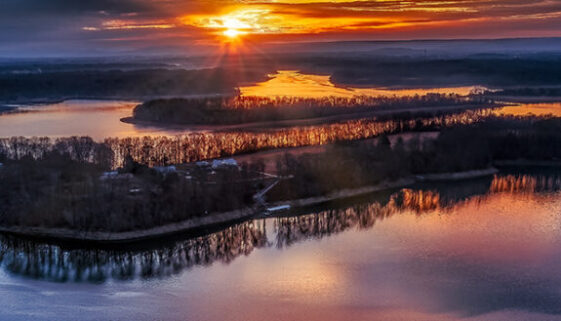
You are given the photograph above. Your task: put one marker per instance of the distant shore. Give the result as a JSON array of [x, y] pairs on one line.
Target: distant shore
[[231, 216], [61, 99]]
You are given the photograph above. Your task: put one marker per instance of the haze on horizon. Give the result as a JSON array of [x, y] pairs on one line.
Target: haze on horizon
[[100, 27]]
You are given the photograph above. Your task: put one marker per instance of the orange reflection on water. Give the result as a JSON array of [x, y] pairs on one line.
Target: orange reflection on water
[[292, 83], [496, 228], [543, 109]]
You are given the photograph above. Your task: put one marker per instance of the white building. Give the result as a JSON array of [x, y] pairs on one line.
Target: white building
[[218, 163]]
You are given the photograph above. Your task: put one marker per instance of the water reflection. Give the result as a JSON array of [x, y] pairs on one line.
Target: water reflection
[[295, 84], [57, 263], [54, 263], [97, 119], [543, 109], [444, 199]]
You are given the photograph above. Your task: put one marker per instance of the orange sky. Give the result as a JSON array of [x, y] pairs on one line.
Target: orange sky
[[282, 20], [30, 24]]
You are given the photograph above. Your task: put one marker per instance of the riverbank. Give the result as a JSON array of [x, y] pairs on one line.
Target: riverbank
[[130, 236], [225, 217], [442, 177]]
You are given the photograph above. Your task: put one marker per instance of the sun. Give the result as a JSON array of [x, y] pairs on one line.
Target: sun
[[231, 33]]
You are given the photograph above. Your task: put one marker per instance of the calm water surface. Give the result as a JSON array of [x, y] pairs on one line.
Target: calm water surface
[[97, 119], [296, 84], [538, 109], [479, 250]]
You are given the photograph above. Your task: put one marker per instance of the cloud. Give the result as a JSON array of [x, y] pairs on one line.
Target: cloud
[[76, 23]]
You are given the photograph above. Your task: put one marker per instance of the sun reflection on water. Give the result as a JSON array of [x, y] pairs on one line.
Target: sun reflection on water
[[293, 83], [542, 109]]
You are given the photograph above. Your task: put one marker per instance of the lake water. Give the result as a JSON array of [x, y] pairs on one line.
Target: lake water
[[97, 119], [475, 250], [538, 109], [296, 84]]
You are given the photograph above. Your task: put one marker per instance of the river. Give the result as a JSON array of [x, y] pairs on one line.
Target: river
[[98, 119], [476, 250]]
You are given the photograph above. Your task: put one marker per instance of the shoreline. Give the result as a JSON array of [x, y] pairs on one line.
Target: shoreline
[[63, 234], [457, 176]]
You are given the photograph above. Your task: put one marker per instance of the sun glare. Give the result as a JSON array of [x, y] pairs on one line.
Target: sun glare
[[231, 33]]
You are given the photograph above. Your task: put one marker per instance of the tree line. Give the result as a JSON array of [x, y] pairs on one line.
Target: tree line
[[354, 164], [246, 109]]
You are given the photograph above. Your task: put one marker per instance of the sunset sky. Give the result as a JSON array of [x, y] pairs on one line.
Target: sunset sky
[[124, 25]]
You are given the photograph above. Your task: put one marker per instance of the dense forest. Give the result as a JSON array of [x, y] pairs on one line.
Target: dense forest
[[468, 147], [242, 109], [64, 186], [57, 191], [533, 70], [121, 84]]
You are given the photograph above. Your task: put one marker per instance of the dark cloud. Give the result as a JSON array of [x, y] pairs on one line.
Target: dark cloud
[[70, 7]]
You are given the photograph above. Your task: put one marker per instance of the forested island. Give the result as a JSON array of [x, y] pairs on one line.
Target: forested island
[[242, 109], [73, 185]]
